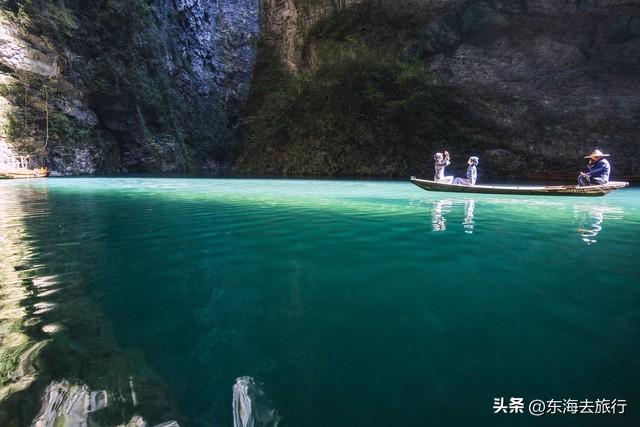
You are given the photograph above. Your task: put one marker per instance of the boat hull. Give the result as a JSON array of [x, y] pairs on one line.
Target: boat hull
[[554, 190], [22, 174]]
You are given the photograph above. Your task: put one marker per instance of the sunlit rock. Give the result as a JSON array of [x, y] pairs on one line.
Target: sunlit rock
[[16, 53], [51, 328]]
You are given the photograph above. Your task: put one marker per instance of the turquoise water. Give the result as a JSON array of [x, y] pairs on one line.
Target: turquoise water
[[354, 303]]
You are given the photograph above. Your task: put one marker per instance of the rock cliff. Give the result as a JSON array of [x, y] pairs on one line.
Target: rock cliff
[[339, 87], [530, 86], [125, 86]]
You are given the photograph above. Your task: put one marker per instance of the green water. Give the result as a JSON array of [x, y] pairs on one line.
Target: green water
[[354, 303]]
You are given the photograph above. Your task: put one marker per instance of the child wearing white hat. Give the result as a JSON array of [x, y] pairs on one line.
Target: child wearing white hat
[[472, 172], [442, 161]]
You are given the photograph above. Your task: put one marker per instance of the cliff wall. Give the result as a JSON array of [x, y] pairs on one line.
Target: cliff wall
[[125, 86], [376, 87]]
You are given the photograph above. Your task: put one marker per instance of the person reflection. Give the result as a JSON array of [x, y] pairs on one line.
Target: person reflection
[[469, 206], [591, 219], [442, 207], [438, 221]]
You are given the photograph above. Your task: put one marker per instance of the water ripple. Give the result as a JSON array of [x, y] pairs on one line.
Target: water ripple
[[335, 291]]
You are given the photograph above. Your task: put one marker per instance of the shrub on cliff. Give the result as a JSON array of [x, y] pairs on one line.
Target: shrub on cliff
[[354, 113]]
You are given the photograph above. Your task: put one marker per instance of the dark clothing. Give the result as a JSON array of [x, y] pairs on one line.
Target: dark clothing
[[597, 173]]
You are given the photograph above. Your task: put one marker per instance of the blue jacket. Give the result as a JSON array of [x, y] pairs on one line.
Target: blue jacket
[[600, 170]]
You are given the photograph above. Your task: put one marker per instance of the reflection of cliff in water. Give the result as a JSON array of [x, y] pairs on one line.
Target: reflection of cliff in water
[[60, 359], [19, 303], [50, 330]]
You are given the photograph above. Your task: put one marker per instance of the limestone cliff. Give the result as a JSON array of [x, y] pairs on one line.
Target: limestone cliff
[[375, 87], [286, 23], [341, 87], [125, 86]]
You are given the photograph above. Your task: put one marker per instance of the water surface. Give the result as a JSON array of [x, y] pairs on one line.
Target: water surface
[[354, 303]]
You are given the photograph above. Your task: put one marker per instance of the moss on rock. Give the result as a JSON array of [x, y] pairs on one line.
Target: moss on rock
[[356, 107]]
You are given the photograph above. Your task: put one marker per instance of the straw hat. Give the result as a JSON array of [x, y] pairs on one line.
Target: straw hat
[[596, 153]]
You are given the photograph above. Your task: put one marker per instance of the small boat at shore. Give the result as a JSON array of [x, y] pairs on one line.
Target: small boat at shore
[[24, 173], [13, 166], [550, 190]]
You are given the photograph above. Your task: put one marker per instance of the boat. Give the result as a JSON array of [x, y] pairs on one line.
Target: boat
[[13, 166], [24, 173], [548, 190]]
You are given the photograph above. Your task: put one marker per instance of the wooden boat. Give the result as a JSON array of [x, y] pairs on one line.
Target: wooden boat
[[552, 190], [24, 173]]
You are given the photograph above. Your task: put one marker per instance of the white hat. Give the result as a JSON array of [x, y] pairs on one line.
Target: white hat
[[596, 153]]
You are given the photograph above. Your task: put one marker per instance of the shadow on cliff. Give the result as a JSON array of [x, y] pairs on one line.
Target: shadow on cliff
[[378, 86]]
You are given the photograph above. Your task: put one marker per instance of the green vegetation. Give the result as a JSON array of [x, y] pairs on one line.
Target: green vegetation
[[360, 106], [113, 50], [35, 123]]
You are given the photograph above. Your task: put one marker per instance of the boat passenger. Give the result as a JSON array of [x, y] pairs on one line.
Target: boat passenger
[[472, 173], [598, 170], [442, 161]]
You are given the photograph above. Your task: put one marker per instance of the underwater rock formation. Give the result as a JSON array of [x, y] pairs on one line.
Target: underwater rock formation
[[71, 405], [65, 404]]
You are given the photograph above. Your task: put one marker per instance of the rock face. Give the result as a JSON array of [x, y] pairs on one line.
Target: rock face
[[285, 24], [21, 55], [554, 79], [531, 86], [159, 85], [142, 86], [210, 47]]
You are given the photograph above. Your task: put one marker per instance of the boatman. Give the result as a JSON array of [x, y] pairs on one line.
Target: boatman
[[598, 170]]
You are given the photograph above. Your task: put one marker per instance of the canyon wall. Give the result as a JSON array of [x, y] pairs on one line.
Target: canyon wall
[[530, 86], [338, 87], [125, 86]]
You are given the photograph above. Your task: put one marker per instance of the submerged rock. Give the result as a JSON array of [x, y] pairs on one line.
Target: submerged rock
[[70, 405], [65, 404]]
